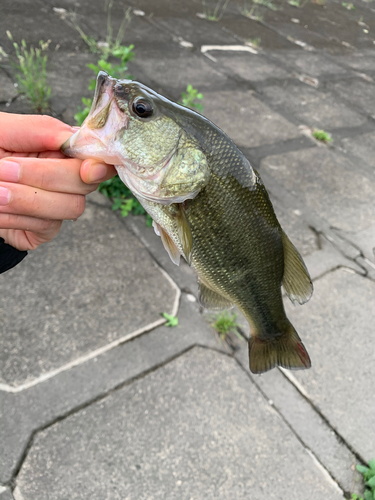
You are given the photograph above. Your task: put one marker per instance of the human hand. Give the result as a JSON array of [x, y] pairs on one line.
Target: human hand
[[39, 186]]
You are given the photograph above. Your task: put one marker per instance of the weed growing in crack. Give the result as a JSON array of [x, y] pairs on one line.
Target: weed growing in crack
[[251, 12], [217, 12], [31, 73], [322, 135], [255, 42], [368, 474], [299, 4], [225, 323], [171, 320]]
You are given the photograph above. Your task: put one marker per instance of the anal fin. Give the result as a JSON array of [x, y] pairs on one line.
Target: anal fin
[[210, 299], [296, 280]]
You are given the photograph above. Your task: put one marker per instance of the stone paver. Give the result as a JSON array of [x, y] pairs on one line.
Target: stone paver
[[88, 412], [313, 64], [361, 146], [337, 328], [310, 107], [250, 67], [359, 91], [330, 186], [254, 123], [70, 299], [196, 428]]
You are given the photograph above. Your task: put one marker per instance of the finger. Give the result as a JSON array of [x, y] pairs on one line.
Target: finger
[[51, 174], [93, 172], [32, 133], [25, 239], [35, 202], [43, 154], [26, 223]]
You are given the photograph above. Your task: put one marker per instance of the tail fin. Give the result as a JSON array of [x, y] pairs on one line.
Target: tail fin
[[286, 350]]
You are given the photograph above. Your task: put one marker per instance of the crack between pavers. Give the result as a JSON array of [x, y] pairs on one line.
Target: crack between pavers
[[12, 482], [316, 408], [297, 436]]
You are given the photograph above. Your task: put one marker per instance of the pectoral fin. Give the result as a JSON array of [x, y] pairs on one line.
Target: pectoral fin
[[296, 280], [184, 233], [170, 247], [210, 299]]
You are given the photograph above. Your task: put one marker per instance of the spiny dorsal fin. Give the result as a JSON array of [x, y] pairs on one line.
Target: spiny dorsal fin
[[210, 299], [296, 280]]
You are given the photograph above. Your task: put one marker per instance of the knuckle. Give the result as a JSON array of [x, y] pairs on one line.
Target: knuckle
[[79, 206]]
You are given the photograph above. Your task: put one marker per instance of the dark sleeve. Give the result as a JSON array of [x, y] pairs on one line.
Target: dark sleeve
[[9, 256]]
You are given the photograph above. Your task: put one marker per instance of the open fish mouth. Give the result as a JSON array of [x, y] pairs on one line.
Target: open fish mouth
[[98, 131]]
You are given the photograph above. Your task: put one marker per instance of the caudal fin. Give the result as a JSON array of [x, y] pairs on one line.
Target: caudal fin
[[286, 350]]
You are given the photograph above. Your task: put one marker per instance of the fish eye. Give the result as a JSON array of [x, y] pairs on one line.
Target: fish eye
[[142, 108]]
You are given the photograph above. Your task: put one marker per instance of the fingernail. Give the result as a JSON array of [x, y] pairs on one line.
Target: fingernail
[[4, 195], [98, 171], [9, 171]]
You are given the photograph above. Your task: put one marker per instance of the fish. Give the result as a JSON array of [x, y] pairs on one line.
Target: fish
[[208, 205]]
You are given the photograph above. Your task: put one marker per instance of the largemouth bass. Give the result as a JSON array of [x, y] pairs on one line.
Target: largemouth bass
[[208, 205]]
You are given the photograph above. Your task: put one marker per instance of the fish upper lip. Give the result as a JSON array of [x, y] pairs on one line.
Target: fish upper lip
[[104, 84]]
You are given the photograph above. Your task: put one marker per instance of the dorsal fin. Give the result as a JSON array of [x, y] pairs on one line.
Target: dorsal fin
[[296, 280], [210, 299]]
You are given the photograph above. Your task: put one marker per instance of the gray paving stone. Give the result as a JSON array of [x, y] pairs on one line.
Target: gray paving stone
[[254, 123], [363, 60], [251, 67], [327, 184], [194, 30], [337, 328], [313, 64], [246, 28], [24, 412], [362, 146], [91, 286], [295, 227], [174, 74], [308, 425], [363, 240], [195, 428], [358, 92], [311, 107], [7, 88], [5, 494]]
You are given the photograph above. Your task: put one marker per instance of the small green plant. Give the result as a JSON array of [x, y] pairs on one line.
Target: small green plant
[[225, 323], [31, 73], [368, 474], [252, 13], [217, 13], [297, 3], [266, 3], [122, 198], [322, 135], [348, 6], [255, 42], [171, 320], [190, 97]]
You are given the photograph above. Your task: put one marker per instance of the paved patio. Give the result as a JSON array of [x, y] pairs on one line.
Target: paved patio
[[98, 398]]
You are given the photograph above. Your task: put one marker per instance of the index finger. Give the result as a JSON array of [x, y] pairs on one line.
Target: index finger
[[32, 133]]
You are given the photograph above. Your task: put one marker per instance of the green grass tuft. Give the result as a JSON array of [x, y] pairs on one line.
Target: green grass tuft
[[322, 135]]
